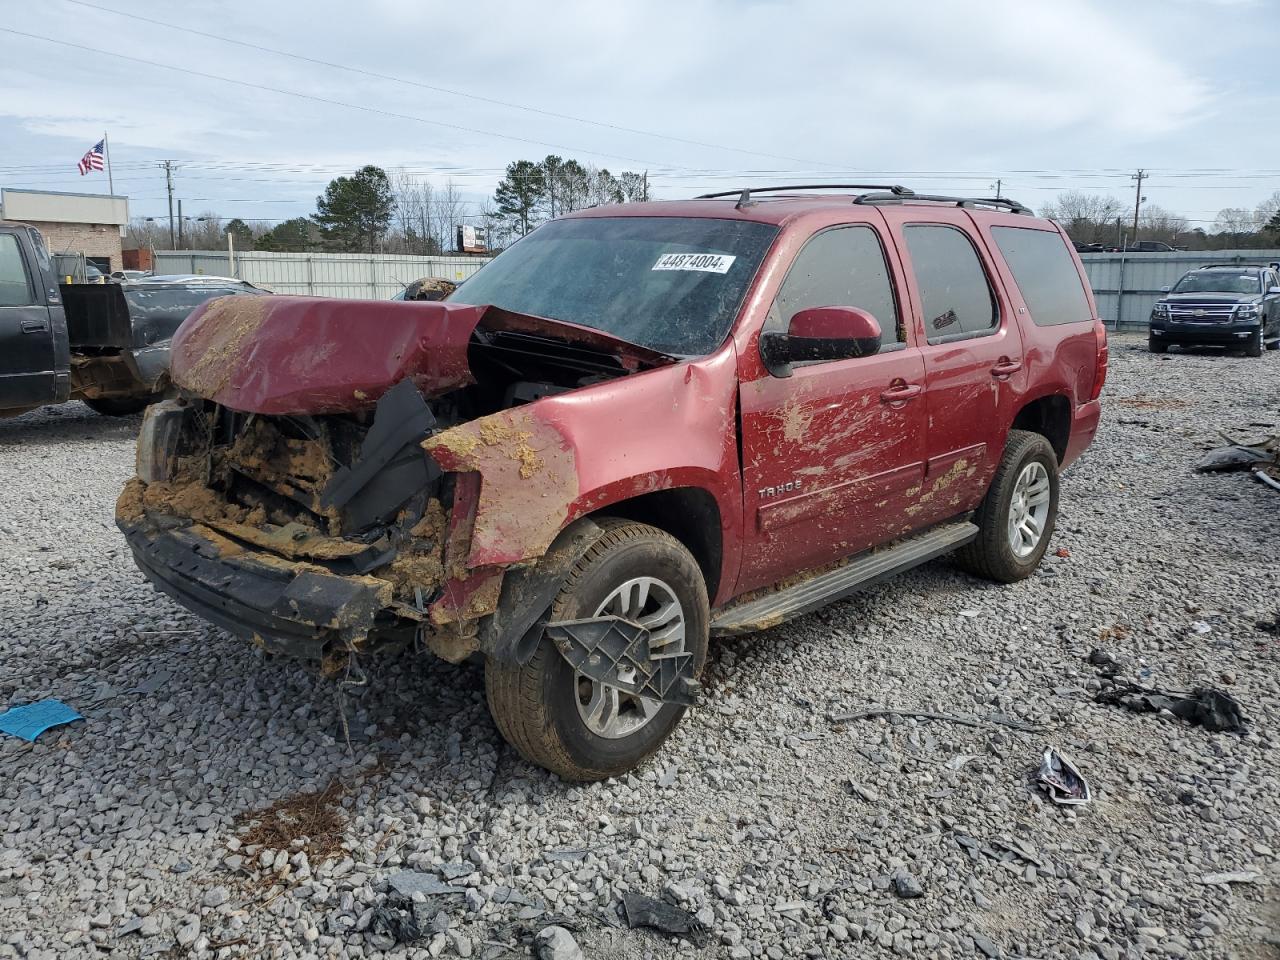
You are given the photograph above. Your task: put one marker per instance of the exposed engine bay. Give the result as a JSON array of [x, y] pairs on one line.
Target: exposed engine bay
[[329, 534]]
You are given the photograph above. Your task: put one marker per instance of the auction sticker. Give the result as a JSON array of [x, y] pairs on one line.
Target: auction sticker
[[700, 262]]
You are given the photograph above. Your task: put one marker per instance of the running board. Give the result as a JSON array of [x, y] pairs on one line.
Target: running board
[[821, 589]]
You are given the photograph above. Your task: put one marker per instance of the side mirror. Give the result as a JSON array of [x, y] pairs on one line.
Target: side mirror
[[1273, 291], [1165, 289], [821, 333]]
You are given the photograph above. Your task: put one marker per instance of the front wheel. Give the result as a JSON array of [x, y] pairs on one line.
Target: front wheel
[[1017, 517], [1254, 349], [580, 728], [1157, 346]]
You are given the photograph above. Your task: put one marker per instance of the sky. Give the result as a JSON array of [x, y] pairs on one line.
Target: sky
[[948, 97]]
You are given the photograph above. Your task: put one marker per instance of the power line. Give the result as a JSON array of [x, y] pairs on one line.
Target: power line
[[446, 90], [318, 99]]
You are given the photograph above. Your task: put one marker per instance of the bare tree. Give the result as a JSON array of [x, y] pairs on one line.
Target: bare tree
[[1087, 217], [448, 207], [1157, 223], [1236, 227]]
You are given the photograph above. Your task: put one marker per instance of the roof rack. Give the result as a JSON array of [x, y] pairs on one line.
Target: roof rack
[[1013, 206], [744, 193], [1242, 265]]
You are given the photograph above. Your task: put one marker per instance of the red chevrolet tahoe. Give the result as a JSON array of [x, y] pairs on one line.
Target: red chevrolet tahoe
[[640, 427]]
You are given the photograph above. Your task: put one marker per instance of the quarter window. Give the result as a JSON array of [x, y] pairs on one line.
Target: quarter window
[[956, 297], [844, 267], [15, 291], [1045, 273]]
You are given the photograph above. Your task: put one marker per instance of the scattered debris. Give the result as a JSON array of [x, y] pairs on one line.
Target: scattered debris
[[310, 817], [905, 886], [1239, 456], [399, 919], [1062, 781], [1062, 553], [1263, 458], [1271, 626], [409, 882], [33, 719], [1204, 706], [858, 790], [928, 715], [557, 943], [642, 911], [1232, 876]]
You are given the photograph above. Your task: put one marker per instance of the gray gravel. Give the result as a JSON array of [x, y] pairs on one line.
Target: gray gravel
[[786, 834]]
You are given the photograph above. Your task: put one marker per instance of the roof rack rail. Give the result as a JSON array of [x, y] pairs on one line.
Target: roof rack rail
[[1241, 265], [1013, 206], [744, 193]]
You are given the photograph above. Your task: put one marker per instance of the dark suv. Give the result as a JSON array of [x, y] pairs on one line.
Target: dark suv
[[1231, 305]]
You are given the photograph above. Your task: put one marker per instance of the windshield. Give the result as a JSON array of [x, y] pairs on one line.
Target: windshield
[[672, 284], [1219, 281]]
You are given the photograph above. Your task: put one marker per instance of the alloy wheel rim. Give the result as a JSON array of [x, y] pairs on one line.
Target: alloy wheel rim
[[612, 713], [1029, 509]]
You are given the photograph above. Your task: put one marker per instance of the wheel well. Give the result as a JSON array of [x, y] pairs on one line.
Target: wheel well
[[688, 514], [1050, 417]]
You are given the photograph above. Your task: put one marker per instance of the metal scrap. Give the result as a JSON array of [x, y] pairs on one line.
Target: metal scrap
[[1062, 781], [929, 715], [617, 652], [642, 911], [1262, 458]]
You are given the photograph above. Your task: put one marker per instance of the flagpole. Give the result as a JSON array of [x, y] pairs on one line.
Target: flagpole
[[106, 148]]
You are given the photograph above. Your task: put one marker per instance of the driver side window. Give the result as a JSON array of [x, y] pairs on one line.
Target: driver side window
[[841, 267]]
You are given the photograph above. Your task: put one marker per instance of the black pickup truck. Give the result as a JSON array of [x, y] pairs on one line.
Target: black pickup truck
[[106, 344]]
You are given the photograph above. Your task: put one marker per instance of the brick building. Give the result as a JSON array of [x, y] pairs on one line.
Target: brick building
[[86, 223]]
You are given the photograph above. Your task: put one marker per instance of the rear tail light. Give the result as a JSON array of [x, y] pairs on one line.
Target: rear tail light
[[1100, 371]]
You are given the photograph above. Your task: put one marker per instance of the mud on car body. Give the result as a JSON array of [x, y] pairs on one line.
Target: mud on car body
[[722, 427]]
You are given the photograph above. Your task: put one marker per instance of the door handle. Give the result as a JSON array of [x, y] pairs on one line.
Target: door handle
[[1006, 368], [901, 392], [34, 326]]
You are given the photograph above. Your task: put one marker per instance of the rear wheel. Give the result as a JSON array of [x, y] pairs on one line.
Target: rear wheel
[[1157, 346], [580, 728], [1017, 517]]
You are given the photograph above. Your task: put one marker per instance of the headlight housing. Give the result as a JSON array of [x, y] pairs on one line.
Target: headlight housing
[[1246, 311], [1161, 309]]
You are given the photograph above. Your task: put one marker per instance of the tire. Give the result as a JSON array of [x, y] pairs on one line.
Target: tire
[[992, 555], [1157, 346], [120, 406], [1254, 348], [538, 706]]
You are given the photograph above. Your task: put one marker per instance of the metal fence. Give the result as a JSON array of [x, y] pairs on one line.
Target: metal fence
[[358, 276], [1127, 284], [1124, 284]]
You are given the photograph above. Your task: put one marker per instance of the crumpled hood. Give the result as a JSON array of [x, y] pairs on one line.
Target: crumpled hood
[[308, 355]]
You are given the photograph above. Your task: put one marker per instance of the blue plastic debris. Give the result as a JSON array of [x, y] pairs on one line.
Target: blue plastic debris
[[35, 718]]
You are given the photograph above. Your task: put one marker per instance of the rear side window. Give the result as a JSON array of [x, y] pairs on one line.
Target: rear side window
[[15, 291], [1045, 273], [956, 297], [843, 267]]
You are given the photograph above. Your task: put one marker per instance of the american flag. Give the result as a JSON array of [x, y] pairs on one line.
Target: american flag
[[92, 160]]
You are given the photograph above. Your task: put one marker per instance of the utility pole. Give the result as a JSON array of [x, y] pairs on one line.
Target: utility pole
[[1138, 198], [179, 246], [168, 177], [999, 182]]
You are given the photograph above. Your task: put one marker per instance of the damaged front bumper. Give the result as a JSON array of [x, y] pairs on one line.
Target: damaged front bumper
[[294, 608]]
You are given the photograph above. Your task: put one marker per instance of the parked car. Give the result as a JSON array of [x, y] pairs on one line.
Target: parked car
[[129, 276], [1231, 305], [1144, 246], [107, 345], [1082, 247], [639, 427], [71, 268]]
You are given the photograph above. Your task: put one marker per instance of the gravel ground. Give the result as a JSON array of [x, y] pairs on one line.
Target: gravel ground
[[124, 834]]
